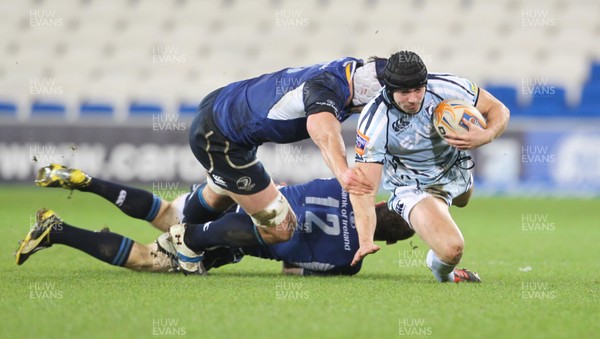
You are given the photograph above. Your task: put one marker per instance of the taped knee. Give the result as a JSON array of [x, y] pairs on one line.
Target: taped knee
[[274, 214]]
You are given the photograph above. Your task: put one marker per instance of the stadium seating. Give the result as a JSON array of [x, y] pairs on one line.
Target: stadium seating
[[95, 110], [186, 108], [141, 109], [47, 109], [595, 72], [508, 96], [546, 101], [121, 59], [590, 99], [8, 109]]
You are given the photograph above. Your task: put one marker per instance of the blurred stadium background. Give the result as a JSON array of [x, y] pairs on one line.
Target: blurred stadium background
[[111, 86]]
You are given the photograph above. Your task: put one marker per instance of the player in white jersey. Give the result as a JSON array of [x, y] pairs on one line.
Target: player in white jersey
[[423, 172]]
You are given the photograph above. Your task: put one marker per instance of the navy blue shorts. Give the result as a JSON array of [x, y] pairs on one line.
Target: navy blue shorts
[[231, 166]]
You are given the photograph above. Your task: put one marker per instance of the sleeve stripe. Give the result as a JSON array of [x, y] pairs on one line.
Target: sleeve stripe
[[380, 126], [435, 77], [476, 97], [366, 115], [370, 114], [350, 69], [457, 93]]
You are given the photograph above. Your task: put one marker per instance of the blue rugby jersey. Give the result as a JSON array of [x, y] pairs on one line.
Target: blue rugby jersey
[[273, 107], [326, 238]]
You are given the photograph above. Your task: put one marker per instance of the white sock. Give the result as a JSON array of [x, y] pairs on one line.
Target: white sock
[[442, 271]]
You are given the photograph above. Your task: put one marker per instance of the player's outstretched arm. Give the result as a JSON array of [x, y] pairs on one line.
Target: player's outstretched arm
[[497, 116], [364, 211], [326, 132]]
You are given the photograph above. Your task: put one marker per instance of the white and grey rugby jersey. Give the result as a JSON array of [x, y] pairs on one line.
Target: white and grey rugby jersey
[[406, 144]]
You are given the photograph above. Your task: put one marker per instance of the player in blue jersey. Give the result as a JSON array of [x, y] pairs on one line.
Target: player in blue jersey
[[282, 107], [424, 173], [323, 243]]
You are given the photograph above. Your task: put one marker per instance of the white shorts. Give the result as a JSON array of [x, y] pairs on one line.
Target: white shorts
[[404, 198]]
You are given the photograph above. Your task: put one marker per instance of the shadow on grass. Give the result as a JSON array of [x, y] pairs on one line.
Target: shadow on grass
[[109, 273]]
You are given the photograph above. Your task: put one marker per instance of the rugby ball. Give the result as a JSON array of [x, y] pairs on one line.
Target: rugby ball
[[448, 116]]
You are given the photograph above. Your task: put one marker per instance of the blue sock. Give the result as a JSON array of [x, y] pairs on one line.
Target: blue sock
[[442, 271], [197, 210], [134, 202], [232, 230], [221, 256], [109, 247]]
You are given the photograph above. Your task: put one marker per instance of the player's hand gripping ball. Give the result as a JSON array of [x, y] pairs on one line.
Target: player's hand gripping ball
[[448, 116]]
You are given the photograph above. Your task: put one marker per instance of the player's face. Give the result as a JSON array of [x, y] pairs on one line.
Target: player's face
[[410, 100]]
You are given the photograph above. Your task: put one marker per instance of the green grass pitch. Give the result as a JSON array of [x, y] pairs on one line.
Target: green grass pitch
[[538, 258]]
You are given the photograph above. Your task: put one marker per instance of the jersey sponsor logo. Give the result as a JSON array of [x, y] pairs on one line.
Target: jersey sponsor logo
[[329, 103], [429, 129], [361, 143], [345, 221], [400, 124], [244, 184], [430, 108], [218, 180]]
